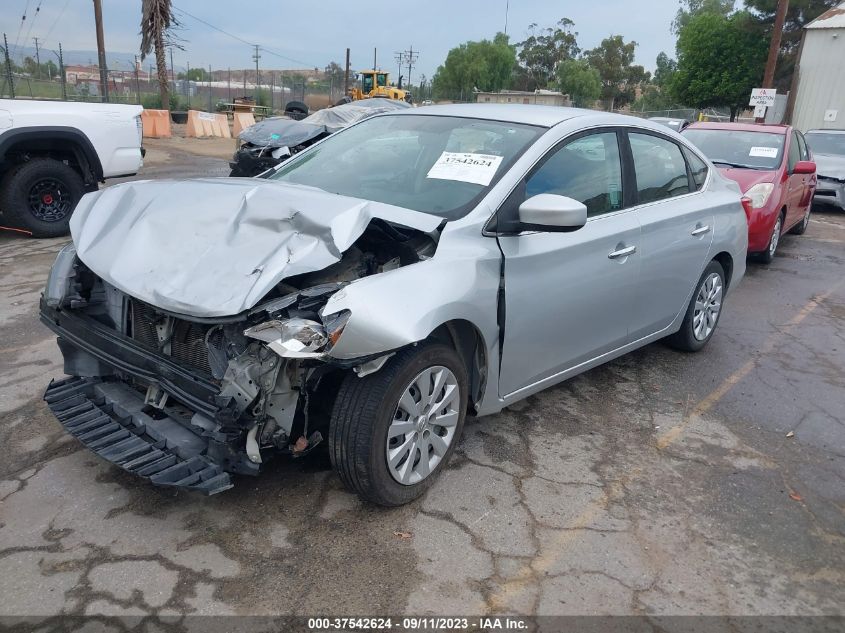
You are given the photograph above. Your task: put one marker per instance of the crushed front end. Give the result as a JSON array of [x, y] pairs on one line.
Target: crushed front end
[[188, 401]]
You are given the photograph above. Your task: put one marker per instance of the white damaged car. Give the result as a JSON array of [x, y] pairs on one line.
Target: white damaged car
[[379, 286]]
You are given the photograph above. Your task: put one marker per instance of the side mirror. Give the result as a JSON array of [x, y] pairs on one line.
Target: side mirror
[[552, 213], [804, 167]]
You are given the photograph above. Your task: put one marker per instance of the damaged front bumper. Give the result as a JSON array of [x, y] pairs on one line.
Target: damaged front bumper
[[109, 419], [169, 446]]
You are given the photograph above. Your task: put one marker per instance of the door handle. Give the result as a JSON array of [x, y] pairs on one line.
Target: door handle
[[700, 230], [623, 252]]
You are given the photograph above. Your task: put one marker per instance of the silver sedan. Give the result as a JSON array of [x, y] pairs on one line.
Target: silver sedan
[[378, 287]]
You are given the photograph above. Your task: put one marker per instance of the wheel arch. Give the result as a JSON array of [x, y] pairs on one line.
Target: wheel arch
[[466, 339], [54, 141], [727, 262]]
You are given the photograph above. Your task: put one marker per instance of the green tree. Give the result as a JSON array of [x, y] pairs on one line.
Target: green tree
[[720, 59], [614, 61], [580, 81], [543, 50], [798, 15], [484, 66], [665, 68], [156, 20], [691, 8]]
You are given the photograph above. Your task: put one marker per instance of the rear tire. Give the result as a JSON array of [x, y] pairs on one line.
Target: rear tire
[[700, 320], [40, 195], [366, 414], [801, 227]]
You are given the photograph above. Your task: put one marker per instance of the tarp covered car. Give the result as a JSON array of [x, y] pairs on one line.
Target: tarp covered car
[[271, 141]]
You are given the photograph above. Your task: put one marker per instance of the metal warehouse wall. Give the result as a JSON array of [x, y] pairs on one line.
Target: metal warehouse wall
[[821, 82]]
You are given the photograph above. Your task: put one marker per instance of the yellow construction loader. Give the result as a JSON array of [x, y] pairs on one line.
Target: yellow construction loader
[[375, 84]]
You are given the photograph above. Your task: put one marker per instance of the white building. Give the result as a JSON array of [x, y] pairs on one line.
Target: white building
[[819, 81]]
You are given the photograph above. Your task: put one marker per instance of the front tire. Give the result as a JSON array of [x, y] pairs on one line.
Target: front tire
[[703, 312], [40, 195], [768, 255], [393, 431]]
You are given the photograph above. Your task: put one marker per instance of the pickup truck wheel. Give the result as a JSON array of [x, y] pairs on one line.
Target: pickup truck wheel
[[392, 432], [40, 195]]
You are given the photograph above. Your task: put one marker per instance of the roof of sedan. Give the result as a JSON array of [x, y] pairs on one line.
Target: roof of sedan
[[546, 116], [740, 127], [529, 114]]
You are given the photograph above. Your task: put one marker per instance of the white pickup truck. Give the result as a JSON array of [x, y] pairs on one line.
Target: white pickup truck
[[53, 152]]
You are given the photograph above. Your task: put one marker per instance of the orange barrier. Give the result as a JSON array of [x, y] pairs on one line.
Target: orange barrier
[[156, 123], [241, 121], [201, 124]]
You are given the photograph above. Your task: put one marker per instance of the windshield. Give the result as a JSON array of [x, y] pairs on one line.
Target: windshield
[[366, 83], [821, 143], [434, 164], [738, 148]]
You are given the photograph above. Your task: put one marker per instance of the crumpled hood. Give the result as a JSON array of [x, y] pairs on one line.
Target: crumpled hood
[[281, 132], [830, 166], [216, 246]]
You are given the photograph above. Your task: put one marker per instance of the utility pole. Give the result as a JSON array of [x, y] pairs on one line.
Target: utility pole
[[172, 68], [507, 9], [375, 59], [346, 76], [256, 57], [101, 50], [37, 59], [411, 57], [229, 84], [774, 45], [9, 75], [188, 84], [400, 58], [210, 109], [137, 81]]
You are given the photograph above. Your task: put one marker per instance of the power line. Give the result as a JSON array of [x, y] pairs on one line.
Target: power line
[[56, 21], [32, 21], [20, 28], [243, 41]]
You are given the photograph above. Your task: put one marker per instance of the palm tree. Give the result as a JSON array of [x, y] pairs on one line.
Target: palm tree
[[156, 20]]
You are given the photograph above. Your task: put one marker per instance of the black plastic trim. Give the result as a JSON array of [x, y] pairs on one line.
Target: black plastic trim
[[53, 133]]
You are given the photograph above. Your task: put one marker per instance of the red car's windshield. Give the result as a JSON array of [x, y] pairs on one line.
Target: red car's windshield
[[738, 148]]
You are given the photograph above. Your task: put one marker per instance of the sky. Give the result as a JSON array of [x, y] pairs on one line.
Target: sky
[[297, 34]]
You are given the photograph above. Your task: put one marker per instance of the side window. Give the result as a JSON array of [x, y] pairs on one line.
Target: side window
[[698, 168], [660, 167], [802, 146], [794, 151], [587, 169]]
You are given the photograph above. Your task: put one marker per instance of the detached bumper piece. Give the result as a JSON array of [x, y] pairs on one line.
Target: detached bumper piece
[[107, 417]]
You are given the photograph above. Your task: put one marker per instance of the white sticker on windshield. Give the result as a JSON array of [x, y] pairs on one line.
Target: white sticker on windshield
[[764, 152], [465, 167]]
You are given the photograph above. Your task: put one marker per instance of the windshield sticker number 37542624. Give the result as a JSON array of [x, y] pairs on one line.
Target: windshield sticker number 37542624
[[465, 167]]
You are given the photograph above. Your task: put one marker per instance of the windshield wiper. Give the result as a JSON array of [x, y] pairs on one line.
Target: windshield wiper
[[717, 161]]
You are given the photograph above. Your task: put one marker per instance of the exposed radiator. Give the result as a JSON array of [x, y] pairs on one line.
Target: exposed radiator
[[187, 344]]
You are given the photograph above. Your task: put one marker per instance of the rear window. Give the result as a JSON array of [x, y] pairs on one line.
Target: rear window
[[738, 148]]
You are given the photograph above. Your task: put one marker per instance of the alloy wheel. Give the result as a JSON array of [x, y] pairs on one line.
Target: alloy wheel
[[50, 200], [773, 243], [423, 425], [708, 303]]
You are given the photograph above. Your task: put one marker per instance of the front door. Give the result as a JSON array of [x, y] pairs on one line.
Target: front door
[[568, 296]]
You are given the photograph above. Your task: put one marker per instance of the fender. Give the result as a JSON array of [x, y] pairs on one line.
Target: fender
[[55, 137]]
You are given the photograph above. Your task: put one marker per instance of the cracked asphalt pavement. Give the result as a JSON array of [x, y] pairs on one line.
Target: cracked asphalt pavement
[[660, 483]]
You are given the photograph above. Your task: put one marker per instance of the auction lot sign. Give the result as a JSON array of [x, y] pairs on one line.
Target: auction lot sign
[[763, 97]]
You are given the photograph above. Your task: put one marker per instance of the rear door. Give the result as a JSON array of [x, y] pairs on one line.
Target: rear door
[[568, 296], [808, 179], [677, 228]]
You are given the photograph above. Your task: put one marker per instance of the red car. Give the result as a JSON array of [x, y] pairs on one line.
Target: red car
[[775, 171]]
